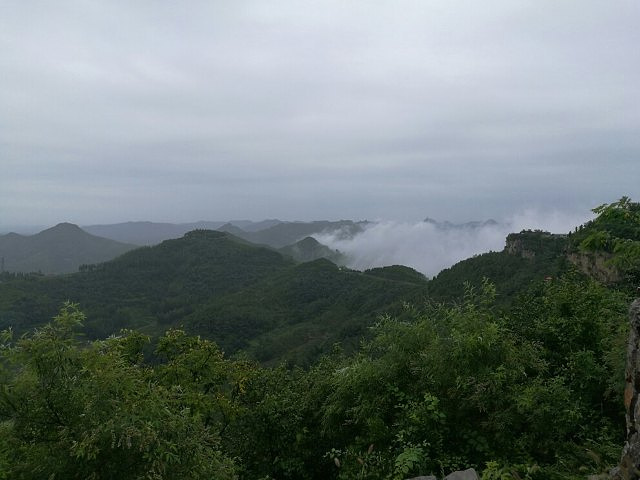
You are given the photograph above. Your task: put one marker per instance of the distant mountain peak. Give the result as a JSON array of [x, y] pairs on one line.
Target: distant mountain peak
[[205, 233], [232, 229], [308, 242], [65, 226], [14, 235], [309, 249], [59, 249]]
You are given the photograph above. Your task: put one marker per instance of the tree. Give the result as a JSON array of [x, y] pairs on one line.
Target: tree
[[616, 231], [94, 411]]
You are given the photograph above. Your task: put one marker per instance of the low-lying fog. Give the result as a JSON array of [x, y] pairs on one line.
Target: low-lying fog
[[430, 247]]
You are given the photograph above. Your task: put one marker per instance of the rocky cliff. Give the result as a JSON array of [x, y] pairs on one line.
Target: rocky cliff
[[469, 474], [629, 468], [596, 265], [532, 243]]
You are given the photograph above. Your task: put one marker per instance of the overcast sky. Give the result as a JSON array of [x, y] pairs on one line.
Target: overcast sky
[[179, 111]]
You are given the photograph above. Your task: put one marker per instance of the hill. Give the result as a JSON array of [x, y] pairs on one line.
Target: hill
[[254, 298], [302, 312], [213, 284], [60, 249], [399, 273], [528, 256], [152, 233], [309, 249], [147, 233]]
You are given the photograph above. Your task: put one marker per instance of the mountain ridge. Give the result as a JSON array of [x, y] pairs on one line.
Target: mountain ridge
[[55, 250], [213, 284]]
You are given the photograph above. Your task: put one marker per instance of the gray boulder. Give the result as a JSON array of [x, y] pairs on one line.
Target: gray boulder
[[469, 474], [629, 468]]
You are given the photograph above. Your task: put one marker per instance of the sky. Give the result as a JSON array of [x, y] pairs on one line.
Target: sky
[[180, 111]]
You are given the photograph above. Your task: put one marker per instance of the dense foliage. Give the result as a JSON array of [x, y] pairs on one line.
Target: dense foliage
[[75, 411], [615, 232], [223, 288], [446, 388], [511, 273]]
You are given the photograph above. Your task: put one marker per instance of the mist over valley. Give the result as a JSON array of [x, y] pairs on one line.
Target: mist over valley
[[427, 246], [430, 246]]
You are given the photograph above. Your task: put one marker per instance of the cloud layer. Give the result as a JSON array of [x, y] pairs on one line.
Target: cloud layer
[[429, 248]]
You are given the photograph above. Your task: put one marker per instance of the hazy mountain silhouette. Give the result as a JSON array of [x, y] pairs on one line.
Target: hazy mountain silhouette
[[287, 233], [152, 233], [309, 249], [147, 233], [60, 249], [446, 225]]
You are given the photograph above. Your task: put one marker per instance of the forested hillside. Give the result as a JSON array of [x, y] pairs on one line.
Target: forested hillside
[[309, 249], [528, 256], [213, 284], [519, 385]]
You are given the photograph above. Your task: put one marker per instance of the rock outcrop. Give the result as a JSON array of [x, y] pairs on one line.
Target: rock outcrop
[[533, 243], [469, 474], [629, 468], [596, 265]]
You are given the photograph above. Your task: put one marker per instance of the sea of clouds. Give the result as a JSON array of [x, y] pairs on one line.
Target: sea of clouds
[[429, 247]]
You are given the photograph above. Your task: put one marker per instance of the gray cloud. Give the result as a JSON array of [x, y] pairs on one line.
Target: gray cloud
[[322, 109], [430, 249]]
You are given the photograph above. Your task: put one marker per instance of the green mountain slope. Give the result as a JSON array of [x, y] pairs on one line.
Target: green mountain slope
[[309, 249], [60, 249], [302, 311], [528, 256], [218, 286]]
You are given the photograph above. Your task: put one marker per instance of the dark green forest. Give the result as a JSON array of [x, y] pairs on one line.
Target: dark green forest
[[221, 287], [209, 357]]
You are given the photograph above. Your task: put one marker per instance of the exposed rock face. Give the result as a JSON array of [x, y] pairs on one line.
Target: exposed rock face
[[469, 474], [596, 265], [515, 247], [532, 243], [629, 468]]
